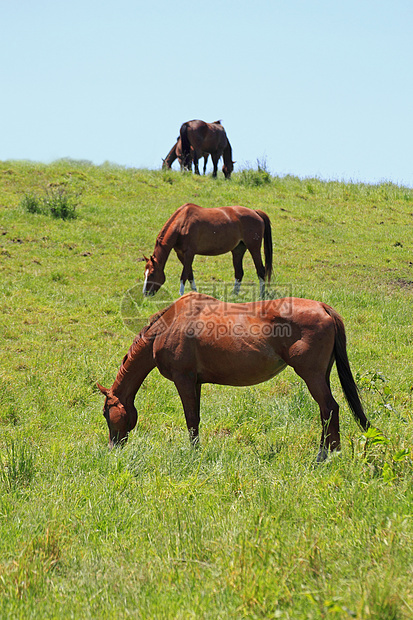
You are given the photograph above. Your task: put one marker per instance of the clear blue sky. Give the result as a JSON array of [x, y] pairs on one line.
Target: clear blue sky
[[315, 87]]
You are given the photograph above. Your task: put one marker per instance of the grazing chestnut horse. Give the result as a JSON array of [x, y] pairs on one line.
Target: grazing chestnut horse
[[199, 339], [176, 153], [206, 138], [194, 230]]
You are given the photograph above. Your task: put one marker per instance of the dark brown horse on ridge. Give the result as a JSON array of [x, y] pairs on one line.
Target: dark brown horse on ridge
[[176, 153], [198, 339], [206, 138], [195, 230]]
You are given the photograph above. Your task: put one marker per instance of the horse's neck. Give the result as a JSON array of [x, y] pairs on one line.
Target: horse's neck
[[165, 242], [137, 364], [161, 252], [170, 158], [227, 154]]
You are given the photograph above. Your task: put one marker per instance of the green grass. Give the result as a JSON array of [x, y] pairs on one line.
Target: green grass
[[246, 526]]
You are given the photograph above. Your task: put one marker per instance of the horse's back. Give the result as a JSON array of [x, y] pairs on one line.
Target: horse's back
[[204, 336], [251, 341], [216, 230], [207, 137], [191, 211]]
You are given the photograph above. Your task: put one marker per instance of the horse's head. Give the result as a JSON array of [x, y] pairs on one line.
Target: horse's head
[[119, 421], [228, 168], [154, 277], [185, 159]]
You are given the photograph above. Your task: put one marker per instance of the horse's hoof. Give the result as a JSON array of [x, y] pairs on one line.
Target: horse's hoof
[[194, 440], [322, 455]]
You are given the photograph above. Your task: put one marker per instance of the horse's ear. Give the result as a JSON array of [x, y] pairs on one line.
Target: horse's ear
[[104, 391]]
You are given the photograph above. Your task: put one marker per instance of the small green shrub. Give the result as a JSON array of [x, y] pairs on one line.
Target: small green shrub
[[254, 178], [58, 202], [32, 203]]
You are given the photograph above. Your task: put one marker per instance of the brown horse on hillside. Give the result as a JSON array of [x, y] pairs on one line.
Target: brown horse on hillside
[[206, 138], [194, 230], [176, 153], [198, 339]]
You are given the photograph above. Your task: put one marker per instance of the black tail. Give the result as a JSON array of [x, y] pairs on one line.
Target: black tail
[[186, 146], [344, 371], [267, 244]]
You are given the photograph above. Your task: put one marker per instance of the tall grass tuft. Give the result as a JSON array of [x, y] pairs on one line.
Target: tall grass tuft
[[32, 203], [58, 202], [254, 178], [17, 465]]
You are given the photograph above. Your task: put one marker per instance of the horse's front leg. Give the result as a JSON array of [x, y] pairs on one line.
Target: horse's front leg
[[187, 272], [190, 393]]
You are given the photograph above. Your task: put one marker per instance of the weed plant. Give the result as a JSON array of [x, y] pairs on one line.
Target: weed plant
[[254, 178], [57, 202], [246, 526], [32, 204], [16, 465]]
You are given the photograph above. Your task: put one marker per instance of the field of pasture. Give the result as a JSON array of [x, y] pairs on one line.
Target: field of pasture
[[247, 526]]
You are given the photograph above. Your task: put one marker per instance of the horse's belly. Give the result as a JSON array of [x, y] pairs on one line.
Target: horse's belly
[[217, 244], [240, 370], [212, 239]]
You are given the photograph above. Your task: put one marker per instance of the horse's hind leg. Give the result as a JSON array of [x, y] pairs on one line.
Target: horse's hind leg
[[196, 160], [319, 387], [215, 161], [190, 393], [259, 268], [237, 256], [205, 162]]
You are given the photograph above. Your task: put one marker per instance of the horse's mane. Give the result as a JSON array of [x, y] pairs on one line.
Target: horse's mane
[[168, 223], [140, 342], [154, 319], [143, 337]]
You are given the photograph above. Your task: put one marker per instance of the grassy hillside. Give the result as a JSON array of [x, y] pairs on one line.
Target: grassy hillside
[[246, 526]]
